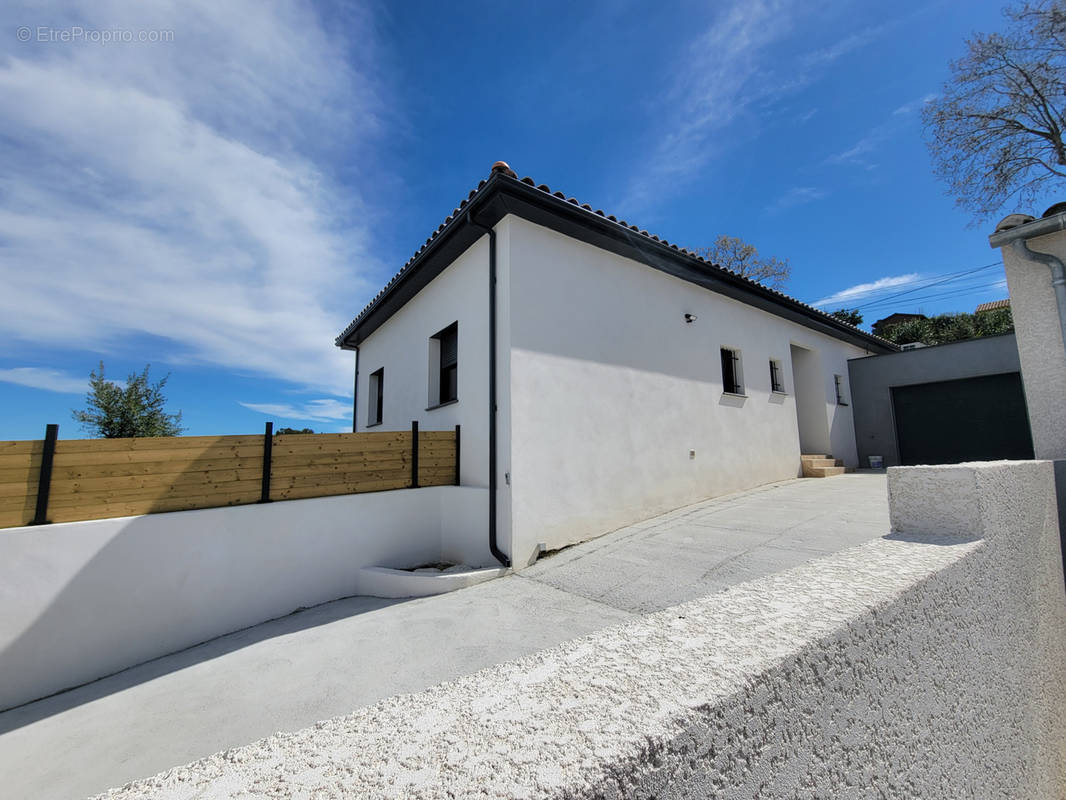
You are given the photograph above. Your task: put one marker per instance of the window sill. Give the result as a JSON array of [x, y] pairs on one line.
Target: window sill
[[372, 424], [442, 405], [779, 392], [841, 404], [734, 394]]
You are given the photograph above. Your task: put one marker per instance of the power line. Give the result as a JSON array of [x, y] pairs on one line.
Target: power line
[[950, 277], [972, 284], [955, 291], [927, 283], [942, 295]]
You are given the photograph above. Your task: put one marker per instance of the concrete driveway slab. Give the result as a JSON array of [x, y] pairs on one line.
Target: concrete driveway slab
[[700, 549]]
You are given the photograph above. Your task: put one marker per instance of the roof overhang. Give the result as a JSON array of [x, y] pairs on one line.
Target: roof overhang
[[501, 195]]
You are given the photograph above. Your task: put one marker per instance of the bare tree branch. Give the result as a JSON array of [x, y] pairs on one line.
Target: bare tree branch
[[742, 258], [996, 132]]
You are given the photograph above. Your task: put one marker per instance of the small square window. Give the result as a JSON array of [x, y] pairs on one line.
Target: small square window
[[444, 366], [777, 382], [732, 379], [376, 396], [842, 397]]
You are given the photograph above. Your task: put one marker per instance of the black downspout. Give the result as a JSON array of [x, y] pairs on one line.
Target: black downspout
[[493, 544], [355, 393]]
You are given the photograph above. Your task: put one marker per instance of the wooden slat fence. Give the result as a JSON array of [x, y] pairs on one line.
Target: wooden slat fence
[[100, 478]]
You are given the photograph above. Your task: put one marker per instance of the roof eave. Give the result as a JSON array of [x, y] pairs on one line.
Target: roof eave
[[501, 195]]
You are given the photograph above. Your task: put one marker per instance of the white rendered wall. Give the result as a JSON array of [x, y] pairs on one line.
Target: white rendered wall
[[82, 600], [401, 346], [1040, 347], [611, 389], [807, 390]]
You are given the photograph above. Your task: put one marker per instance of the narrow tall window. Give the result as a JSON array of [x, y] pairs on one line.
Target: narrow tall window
[[732, 380], [376, 397], [447, 346], [777, 384], [842, 398]]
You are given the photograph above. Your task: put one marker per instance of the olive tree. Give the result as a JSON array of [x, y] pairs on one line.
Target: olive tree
[[134, 410]]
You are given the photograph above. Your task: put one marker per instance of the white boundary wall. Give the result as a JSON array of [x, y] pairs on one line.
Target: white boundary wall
[[930, 663], [81, 600]]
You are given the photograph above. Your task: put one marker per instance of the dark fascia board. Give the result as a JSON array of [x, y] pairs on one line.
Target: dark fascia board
[[502, 195]]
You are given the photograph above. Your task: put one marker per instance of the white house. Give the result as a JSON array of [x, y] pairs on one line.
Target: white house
[[627, 376]]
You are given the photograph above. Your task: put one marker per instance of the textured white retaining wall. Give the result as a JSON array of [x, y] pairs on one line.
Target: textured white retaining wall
[[81, 600], [930, 663]]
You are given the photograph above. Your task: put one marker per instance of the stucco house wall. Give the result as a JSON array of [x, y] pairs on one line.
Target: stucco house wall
[[1040, 346], [611, 391], [401, 346], [610, 407]]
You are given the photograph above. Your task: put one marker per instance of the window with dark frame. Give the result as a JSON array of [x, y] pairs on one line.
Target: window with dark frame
[[448, 342], [731, 383], [842, 399], [376, 397], [776, 382]]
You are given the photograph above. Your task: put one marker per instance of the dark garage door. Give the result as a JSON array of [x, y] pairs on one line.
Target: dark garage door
[[974, 419]]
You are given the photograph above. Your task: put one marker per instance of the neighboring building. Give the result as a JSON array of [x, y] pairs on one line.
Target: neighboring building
[[994, 305], [942, 404], [1033, 252], [630, 376], [883, 325]]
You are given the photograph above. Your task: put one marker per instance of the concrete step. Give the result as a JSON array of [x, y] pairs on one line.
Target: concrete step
[[822, 472], [821, 465], [820, 462]]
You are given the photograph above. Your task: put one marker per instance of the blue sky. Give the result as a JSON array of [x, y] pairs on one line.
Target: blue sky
[[221, 199]]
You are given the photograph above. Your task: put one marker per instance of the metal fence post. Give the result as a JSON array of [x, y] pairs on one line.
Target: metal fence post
[[414, 454], [44, 479], [458, 461], [268, 448]]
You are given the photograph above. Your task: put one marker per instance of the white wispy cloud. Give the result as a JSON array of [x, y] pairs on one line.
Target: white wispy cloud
[[184, 189], [731, 67], [848, 44], [858, 154], [861, 153], [796, 196], [913, 105], [51, 380], [718, 78], [324, 410], [863, 290]]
